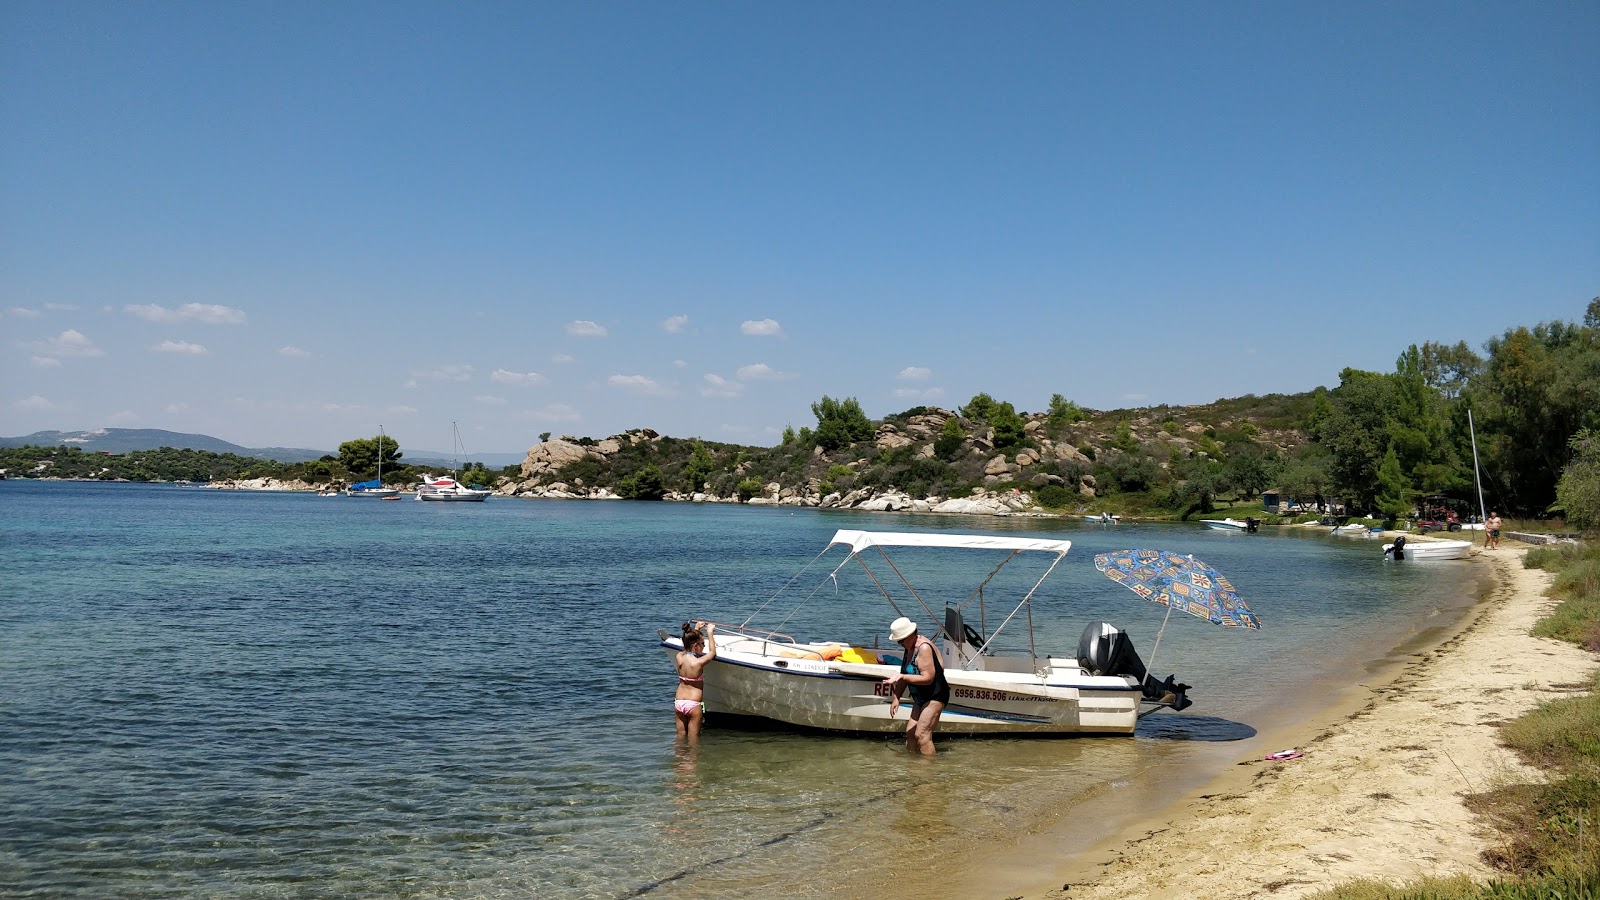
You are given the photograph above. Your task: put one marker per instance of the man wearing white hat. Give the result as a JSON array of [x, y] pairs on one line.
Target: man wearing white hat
[[923, 673]]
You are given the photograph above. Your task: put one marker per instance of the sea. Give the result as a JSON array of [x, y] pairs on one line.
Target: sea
[[208, 693]]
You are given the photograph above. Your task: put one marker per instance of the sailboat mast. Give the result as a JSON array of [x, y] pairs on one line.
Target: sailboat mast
[[1477, 478]]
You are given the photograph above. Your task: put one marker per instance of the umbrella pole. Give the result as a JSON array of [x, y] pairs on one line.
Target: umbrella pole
[[1159, 633]]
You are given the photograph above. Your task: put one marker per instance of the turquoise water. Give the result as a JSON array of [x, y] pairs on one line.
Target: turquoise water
[[210, 693]]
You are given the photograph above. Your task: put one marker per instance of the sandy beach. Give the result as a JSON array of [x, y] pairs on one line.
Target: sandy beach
[[1377, 791]]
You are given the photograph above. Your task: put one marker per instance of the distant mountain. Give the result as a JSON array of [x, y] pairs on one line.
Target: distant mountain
[[125, 440]]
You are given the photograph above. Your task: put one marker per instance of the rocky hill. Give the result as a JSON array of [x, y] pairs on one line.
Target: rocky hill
[[926, 458]]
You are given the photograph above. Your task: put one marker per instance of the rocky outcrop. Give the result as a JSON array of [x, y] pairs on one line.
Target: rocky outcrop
[[551, 456]]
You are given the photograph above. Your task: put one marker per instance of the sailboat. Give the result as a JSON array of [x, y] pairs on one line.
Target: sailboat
[[446, 487], [375, 489]]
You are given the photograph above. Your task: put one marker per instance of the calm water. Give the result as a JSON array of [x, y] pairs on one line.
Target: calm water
[[208, 693]]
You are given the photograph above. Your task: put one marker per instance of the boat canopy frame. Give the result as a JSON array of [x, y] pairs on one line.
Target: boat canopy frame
[[859, 541]]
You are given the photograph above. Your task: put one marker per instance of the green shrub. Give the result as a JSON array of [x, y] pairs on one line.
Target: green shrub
[[1055, 496]]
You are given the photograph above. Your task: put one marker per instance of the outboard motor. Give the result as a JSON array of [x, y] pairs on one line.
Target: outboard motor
[[1105, 649], [1251, 525], [1399, 547]]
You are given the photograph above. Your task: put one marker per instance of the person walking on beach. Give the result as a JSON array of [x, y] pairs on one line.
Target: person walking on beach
[[1491, 528], [923, 673], [689, 706]]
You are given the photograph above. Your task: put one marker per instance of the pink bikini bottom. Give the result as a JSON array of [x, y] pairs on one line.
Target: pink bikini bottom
[[686, 707]]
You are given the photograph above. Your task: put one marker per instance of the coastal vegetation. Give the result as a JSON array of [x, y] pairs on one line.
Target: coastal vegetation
[[1379, 444]]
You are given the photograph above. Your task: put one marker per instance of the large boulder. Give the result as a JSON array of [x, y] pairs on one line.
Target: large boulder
[[549, 456]]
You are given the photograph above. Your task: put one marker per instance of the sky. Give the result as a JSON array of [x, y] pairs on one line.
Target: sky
[[292, 223]]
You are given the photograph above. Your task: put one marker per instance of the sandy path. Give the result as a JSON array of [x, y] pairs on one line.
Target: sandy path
[[1378, 792]]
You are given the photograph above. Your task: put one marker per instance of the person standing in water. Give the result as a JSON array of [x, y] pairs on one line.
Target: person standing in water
[[923, 673], [689, 707]]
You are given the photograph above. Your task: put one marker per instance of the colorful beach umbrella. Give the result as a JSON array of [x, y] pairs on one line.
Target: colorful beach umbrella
[[1178, 581]]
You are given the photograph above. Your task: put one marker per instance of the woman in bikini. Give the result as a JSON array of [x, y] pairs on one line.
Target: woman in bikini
[[689, 705]]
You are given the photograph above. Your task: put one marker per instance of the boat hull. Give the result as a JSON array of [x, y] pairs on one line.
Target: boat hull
[[468, 497], [1424, 550], [375, 493], [845, 697], [1224, 525]]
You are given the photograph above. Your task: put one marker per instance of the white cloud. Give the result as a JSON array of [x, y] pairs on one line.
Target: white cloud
[[932, 393], [23, 312], [61, 307], [674, 324], [175, 408], [717, 386], [206, 313], [915, 373], [489, 400], [638, 384], [180, 347], [44, 362], [520, 379], [68, 343], [448, 372], [36, 403], [761, 372], [679, 364], [761, 328], [293, 351], [562, 359], [586, 328]]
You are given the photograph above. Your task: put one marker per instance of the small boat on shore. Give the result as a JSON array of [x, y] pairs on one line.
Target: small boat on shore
[[837, 685], [1103, 519], [1354, 529], [1426, 549]]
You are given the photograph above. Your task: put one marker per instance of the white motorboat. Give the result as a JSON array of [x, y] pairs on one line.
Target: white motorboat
[[838, 685], [1229, 525], [1103, 519], [1354, 529], [446, 488], [1400, 549]]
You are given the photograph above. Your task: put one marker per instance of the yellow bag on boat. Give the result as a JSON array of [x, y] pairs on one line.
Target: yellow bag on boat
[[858, 655]]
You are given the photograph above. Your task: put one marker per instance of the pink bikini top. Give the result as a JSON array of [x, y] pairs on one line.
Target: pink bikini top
[[700, 680]]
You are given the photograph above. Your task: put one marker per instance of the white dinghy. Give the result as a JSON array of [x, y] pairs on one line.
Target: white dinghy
[[1426, 549], [838, 685]]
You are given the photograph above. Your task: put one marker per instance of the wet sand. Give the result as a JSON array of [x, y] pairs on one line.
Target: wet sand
[[1377, 791]]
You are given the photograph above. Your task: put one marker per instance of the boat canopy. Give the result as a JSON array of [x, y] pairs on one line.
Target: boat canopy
[[858, 541], [366, 485]]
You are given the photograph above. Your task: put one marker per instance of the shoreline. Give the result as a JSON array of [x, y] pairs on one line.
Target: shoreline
[[1377, 793]]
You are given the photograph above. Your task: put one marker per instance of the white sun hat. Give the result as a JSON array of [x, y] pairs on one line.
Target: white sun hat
[[902, 628]]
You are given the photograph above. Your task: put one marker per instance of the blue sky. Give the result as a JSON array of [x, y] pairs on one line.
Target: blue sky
[[285, 224]]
